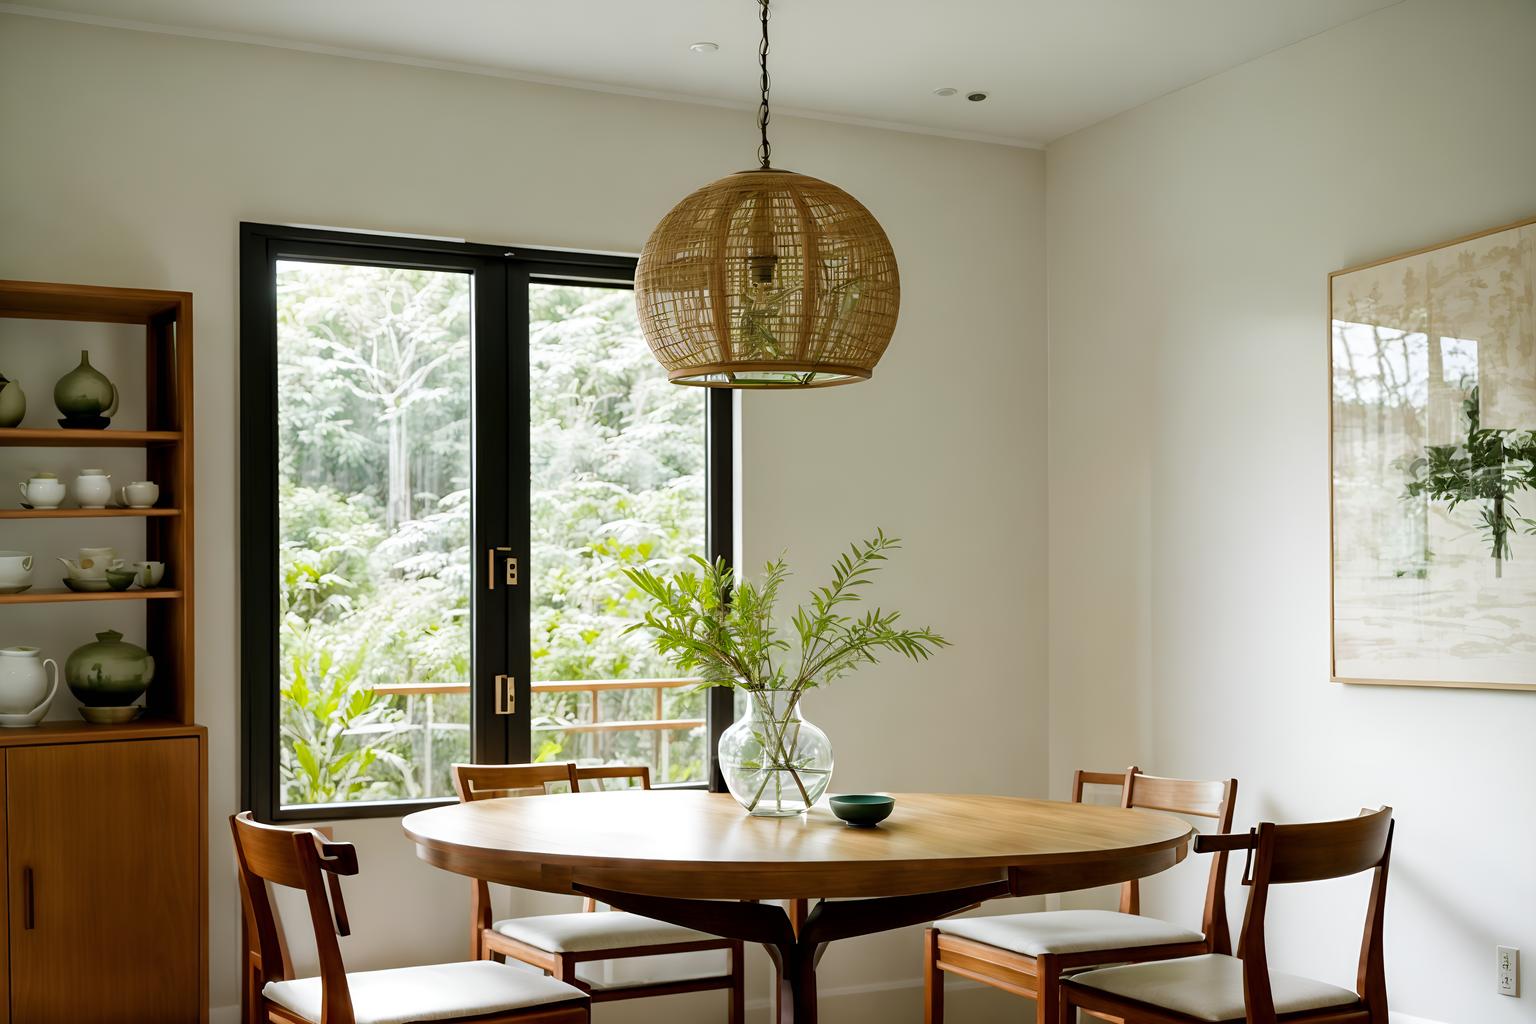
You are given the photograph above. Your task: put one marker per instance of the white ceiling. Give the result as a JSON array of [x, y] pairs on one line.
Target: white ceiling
[[1051, 66]]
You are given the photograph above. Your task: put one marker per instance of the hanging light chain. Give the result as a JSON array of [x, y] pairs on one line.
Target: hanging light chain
[[764, 150]]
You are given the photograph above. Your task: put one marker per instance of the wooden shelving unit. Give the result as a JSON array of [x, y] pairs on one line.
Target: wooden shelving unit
[[136, 822], [167, 444]]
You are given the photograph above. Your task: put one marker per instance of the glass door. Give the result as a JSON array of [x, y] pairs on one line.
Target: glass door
[[375, 437], [618, 472]]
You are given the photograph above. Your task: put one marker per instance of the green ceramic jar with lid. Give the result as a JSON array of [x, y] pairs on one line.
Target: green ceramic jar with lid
[[109, 672]]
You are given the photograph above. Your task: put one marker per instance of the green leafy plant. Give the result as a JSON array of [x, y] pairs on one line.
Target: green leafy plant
[[325, 707], [1490, 466], [721, 629]]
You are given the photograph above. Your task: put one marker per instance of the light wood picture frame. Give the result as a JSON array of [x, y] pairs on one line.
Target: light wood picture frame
[[1432, 465]]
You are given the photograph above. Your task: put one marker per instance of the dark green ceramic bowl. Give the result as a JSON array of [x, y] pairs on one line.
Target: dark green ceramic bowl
[[862, 810]]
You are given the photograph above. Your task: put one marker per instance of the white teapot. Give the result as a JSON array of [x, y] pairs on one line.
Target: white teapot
[[93, 564], [27, 687], [43, 491]]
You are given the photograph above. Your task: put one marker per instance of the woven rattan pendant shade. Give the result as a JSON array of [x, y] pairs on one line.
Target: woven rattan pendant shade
[[768, 279]]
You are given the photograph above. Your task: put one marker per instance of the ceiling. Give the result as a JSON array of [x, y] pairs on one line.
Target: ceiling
[[1050, 66]]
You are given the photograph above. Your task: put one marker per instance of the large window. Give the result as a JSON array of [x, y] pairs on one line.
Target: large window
[[450, 453]]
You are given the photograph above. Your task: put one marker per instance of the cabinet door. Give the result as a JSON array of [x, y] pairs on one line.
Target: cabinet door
[[103, 842]]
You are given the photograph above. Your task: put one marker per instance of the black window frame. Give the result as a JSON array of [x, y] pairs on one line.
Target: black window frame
[[502, 275]]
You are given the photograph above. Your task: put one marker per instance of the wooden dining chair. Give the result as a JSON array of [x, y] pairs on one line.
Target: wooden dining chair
[[1027, 954], [480, 991], [1215, 987], [629, 776], [560, 944]]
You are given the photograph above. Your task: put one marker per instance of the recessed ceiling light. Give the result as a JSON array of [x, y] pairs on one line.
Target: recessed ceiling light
[[704, 47], [975, 97], [946, 91]]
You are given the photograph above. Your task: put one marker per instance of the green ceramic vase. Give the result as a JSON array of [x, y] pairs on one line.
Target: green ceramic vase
[[13, 404], [109, 673], [85, 396]]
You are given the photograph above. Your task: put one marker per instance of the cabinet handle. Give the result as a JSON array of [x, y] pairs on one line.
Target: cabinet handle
[[28, 915]]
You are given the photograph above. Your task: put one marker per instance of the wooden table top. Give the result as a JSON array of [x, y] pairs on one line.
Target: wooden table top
[[691, 843]]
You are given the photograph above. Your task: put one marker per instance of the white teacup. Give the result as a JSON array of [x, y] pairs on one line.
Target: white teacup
[[93, 488], [15, 571], [149, 573], [139, 494], [43, 491]]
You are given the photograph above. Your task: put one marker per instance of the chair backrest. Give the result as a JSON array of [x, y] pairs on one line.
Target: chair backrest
[[306, 860], [493, 781], [1192, 798], [1081, 779], [1130, 893], [1196, 798], [1287, 854], [634, 776]]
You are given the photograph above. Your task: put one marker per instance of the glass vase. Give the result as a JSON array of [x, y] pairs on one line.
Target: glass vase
[[776, 764]]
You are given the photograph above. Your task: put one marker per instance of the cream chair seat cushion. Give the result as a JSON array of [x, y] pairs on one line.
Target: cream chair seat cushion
[[1067, 931], [1210, 987], [437, 992], [590, 932]]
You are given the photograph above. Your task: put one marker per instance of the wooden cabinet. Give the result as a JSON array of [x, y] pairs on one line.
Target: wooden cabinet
[[103, 845], [103, 828]]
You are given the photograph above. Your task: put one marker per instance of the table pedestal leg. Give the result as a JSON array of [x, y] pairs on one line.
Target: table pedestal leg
[[796, 955], [796, 966]]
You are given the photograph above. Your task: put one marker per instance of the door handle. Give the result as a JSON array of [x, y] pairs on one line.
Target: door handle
[[509, 577], [28, 913], [506, 695]]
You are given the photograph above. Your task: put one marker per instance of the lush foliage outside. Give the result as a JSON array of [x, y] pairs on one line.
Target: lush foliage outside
[[374, 441]]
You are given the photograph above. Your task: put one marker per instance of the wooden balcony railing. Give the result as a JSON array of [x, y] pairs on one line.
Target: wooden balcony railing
[[595, 724], [593, 687]]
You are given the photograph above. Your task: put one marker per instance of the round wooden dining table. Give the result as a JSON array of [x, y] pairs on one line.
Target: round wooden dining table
[[696, 859]]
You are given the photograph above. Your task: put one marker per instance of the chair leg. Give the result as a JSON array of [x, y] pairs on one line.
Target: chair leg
[[933, 979], [736, 1012], [1047, 989], [1066, 1012]]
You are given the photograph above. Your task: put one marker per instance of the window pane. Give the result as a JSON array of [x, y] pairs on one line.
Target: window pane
[[618, 463], [374, 517]]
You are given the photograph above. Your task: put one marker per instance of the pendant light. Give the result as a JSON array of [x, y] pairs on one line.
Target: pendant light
[[768, 279]]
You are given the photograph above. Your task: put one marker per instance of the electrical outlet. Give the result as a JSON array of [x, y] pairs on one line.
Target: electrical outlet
[[1509, 971]]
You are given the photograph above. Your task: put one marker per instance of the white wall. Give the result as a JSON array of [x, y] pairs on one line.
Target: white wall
[[129, 159], [1189, 246]]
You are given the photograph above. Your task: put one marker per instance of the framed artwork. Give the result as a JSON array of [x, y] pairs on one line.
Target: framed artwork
[[1432, 369]]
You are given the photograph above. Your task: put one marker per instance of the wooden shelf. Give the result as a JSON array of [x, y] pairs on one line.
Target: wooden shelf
[[85, 513], [51, 437], [35, 596], [81, 731]]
